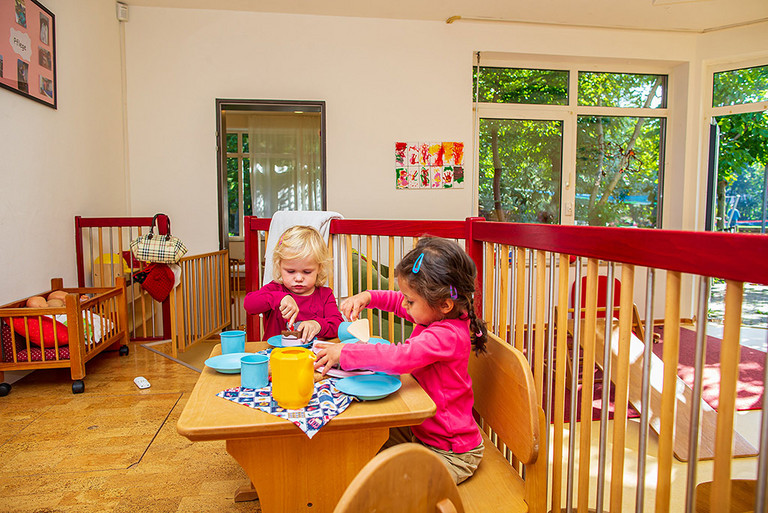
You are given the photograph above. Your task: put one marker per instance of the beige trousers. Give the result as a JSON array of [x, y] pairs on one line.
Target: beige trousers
[[461, 465]]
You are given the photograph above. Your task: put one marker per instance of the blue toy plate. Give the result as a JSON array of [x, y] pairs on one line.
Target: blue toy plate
[[277, 341], [369, 388], [226, 363]]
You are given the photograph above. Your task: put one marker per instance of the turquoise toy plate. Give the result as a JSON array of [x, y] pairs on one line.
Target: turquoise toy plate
[[369, 388], [226, 363], [277, 341]]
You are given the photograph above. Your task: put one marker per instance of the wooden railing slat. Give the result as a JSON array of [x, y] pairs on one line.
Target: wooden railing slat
[[588, 378], [729, 375]]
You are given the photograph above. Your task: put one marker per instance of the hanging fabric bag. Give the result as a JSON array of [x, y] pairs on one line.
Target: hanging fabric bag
[[157, 280], [161, 249]]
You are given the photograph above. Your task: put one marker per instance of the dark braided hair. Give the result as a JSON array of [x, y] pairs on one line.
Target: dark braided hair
[[445, 272]]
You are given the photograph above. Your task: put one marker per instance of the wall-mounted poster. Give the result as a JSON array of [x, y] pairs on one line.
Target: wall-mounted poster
[[429, 165], [28, 50]]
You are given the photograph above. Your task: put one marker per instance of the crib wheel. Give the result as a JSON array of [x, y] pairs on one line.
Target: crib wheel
[[78, 387], [5, 389], [123, 350]]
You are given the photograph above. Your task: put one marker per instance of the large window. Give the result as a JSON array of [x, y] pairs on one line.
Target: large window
[[740, 111], [570, 146], [273, 159]]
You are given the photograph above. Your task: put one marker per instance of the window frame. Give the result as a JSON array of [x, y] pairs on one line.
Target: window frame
[[710, 113], [569, 114], [252, 105]]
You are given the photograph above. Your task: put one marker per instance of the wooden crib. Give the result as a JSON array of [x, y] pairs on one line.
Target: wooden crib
[[91, 320], [681, 451]]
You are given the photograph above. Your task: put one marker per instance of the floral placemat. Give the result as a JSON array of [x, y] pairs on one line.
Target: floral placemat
[[326, 403]]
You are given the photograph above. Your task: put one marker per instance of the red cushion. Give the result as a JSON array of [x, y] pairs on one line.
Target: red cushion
[[20, 326]]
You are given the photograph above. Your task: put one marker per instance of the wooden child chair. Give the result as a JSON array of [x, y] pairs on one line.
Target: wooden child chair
[[407, 478]]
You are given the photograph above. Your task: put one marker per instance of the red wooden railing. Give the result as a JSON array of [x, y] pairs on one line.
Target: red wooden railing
[[525, 277]]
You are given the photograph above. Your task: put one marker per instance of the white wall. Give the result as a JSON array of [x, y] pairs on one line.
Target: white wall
[[383, 81], [57, 164]]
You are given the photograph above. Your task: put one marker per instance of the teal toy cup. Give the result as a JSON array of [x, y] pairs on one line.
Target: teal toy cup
[[344, 333], [254, 371], [232, 341]]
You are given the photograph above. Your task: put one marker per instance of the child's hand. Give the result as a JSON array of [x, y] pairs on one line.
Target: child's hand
[[289, 309], [328, 355], [352, 306], [308, 330]]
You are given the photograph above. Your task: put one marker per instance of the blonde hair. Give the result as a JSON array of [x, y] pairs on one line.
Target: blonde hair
[[302, 242]]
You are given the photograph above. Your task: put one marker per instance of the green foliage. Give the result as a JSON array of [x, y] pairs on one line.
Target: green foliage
[[247, 200], [231, 143], [626, 90], [743, 143], [746, 85], [743, 157], [617, 172], [516, 85], [529, 152], [743, 152], [232, 195]]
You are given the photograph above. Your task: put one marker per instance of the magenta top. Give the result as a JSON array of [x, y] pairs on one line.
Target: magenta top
[[319, 306], [437, 356]]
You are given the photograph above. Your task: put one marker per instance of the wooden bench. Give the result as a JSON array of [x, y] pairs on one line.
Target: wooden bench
[[505, 401]]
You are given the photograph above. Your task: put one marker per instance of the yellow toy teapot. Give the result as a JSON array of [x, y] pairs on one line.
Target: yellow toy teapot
[[292, 376]]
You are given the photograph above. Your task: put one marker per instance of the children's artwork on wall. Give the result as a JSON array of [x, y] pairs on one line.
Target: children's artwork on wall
[[28, 50], [429, 165]]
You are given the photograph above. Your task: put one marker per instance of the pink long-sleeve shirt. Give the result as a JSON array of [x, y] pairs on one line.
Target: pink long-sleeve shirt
[[319, 306], [437, 356]]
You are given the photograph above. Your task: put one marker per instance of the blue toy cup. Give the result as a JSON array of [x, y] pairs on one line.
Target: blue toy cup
[[232, 341], [254, 371], [344, 333]]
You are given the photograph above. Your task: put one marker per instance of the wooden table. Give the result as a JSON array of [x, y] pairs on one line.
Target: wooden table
[[289, 471]]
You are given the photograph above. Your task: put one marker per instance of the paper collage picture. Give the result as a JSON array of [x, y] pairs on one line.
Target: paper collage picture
[[28, 50], [429, 165]]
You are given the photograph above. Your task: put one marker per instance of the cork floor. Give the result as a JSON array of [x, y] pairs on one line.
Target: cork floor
[[113, 448]]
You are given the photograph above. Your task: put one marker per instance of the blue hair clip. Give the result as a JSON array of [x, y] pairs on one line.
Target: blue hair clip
[[454, 294], [417, 264]]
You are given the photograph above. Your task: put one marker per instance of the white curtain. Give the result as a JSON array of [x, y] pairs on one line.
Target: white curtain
[[285, 162]]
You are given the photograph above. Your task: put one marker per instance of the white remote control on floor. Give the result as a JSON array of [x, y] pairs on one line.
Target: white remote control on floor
[[141, 382]]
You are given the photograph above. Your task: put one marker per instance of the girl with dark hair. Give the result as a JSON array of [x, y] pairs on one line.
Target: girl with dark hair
[[437, 283]]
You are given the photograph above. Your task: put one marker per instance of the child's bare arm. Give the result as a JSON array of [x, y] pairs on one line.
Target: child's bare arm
[[352, 306], [328, 355], [309, 329], [289, 309]]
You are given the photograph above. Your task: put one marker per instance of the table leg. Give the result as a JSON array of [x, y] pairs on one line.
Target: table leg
[[294, 473], [246, 493]]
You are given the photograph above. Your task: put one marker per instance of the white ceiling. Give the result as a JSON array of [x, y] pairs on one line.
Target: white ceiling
[[670, 15]]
